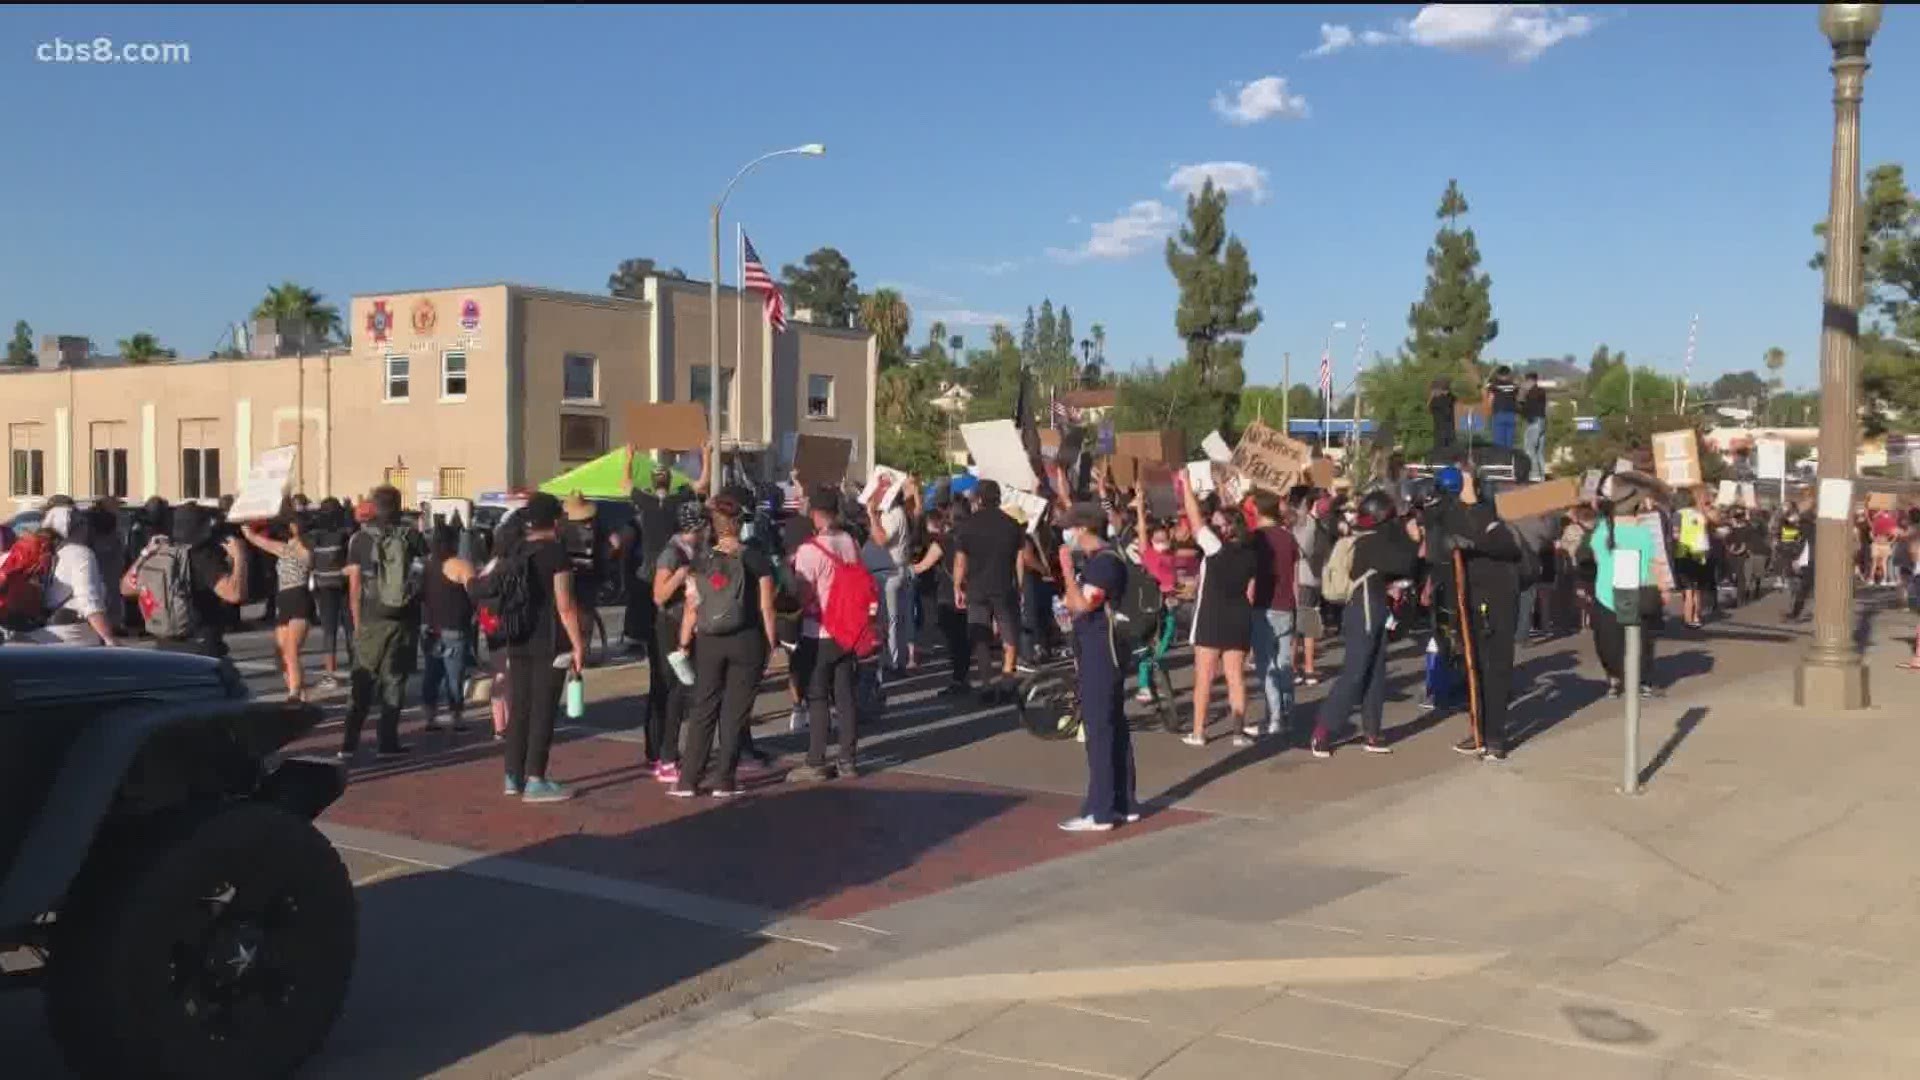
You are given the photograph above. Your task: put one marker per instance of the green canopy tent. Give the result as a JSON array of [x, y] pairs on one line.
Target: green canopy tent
[[605, 477]]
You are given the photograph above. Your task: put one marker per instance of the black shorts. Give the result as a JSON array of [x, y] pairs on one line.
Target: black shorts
[[1693, 573], [291, 604], [1003, 611]]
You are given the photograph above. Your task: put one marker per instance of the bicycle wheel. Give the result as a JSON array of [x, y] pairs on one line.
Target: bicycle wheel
[[1049, 709]]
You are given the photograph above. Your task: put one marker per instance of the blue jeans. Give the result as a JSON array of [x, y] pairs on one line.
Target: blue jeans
[[446, 673], [1273, 664], [1503, 425], [1536, 447], [896, 621]]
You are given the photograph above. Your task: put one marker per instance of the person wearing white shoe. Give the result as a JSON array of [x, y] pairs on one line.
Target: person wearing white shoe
[[1100, 573]]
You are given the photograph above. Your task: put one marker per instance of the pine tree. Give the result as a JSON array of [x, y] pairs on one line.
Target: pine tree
[[1045, 332], [1027, 338], [1216, 299], [1454, 319], [1068, 349], [20, 349]]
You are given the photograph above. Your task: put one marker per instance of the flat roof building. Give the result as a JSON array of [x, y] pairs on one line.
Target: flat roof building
[[443, 392]]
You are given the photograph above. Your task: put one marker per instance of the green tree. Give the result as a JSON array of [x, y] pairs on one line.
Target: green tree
[[912, 433], [1176, 398], [628, 279], [1067, 358], [1216, 309], [1742, 388], [1454, 319], [142, 348], [292, 305], [1046, 331], [1029, 336], [1776, 361], [1622, 391], [20, 350], [1602, 362], [993, 376], [825, 285], [885, 313], [1889, 385], [1890, 246]]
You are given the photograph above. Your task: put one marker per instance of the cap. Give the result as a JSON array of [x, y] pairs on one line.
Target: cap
[[1449, 480], [690, 516], [542, 511]]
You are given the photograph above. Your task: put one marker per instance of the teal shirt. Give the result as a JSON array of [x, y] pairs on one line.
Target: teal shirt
[[1632, 538]]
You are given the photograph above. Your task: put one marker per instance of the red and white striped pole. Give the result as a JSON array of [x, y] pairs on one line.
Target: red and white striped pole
[[1686, 372]]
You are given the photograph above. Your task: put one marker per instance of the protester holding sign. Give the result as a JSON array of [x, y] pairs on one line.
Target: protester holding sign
[[1223, 616]]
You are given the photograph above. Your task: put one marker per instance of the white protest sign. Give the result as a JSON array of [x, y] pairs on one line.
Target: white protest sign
[[998, 454], [1836, 499], [266, 485], [1200, 477], [886, 482], [1728, 494], [1026, 507], [1216, 448], [1773, 458]]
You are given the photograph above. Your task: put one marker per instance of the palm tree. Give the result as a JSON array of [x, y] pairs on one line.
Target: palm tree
[[296, 305], [886, 314], [954, 345], [1776, 361], [1099, 342], [141, 348]]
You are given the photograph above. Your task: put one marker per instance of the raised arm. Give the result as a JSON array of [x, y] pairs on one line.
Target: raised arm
[[264, 542], [1195, 519], [705, 484]]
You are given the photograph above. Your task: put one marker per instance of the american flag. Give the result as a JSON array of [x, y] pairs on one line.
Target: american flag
[[755, 277], [1326, 372], [1062, 416]]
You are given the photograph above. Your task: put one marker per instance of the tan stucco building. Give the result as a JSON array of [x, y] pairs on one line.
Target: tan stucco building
[[448, 392]]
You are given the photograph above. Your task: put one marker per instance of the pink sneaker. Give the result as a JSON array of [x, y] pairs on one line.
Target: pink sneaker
[[667, 772]]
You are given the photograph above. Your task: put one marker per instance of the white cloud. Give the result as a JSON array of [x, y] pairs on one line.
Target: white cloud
[[1333, 39], [1138, 229], [995, 269], [1073, 219], [963, 317], [1261, 99], [1232, 177], [1521, 32]]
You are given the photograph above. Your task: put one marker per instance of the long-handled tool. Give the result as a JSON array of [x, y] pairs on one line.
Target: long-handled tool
[[1463, 607]]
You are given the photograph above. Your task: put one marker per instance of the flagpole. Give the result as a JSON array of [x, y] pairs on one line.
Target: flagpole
[[1286, 393], [1359, 362], [739, 321]]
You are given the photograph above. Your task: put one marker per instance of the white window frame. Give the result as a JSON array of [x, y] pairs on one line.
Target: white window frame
[[590, 358], [807, 404], [386, 378], [466, 374]]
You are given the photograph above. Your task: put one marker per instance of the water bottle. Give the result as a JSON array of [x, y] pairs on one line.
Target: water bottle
[[576, 696]]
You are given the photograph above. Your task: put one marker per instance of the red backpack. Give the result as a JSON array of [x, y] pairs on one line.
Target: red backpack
[[847, 614], [23, 583]]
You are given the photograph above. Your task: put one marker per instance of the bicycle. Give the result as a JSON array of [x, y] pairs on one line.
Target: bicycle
[[1049, 700]]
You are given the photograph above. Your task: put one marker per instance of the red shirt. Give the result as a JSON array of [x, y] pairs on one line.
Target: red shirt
[[1277, 557]]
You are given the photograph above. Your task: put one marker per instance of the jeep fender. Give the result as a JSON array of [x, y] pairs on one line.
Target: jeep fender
[[238, 735]]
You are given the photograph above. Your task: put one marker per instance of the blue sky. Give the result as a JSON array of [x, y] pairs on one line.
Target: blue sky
[[1627, 167]]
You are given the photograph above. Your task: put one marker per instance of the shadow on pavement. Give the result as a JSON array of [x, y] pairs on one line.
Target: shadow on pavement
[[1688, 721]]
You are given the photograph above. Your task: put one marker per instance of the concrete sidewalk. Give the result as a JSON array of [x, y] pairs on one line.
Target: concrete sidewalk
[[1752, 914]]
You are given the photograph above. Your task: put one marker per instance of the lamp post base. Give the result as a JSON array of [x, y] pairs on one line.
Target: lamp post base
[[1830, 687]]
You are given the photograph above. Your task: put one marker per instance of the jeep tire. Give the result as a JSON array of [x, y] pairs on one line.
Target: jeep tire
[[217, 949]]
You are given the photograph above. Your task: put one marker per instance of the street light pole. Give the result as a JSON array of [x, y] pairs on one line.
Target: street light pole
[[714, 382], [1831, 676]]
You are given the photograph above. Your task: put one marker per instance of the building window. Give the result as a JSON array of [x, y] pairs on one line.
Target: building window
[[819, 397], [399, 378], [453, 376], [453, 483], [397, 478], [28, 460], [582, 438], [701, 391], [581, 376], [109, 460], [199, 460]]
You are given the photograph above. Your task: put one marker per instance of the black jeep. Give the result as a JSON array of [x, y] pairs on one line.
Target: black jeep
[[160, 875]]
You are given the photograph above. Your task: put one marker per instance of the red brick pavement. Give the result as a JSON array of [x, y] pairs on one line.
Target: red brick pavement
[[826, 851]]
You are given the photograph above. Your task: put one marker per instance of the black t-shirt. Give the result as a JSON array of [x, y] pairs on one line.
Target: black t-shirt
[[1441, 408], [1506, 394], [545, 558], [659, 521], [797, 531], [363, 552], [672, 558], [991, 542], [207, 566], [1533, 404]]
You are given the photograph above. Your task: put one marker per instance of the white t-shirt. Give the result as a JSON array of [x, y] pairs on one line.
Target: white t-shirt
[[75, 585]]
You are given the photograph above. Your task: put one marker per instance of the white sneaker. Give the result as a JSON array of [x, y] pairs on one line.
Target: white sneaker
[[1085, 824], [1194, 740]]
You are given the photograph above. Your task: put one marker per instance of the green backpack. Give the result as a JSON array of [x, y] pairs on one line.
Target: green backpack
[[395, 586]]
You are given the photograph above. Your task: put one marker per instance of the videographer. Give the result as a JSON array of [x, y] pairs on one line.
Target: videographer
[[1489, 612]]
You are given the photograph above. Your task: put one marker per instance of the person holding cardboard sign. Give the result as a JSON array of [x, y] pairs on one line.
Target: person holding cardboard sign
[[1223, 615]]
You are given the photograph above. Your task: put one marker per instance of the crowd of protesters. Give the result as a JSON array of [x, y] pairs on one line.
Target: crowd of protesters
[[718, 584]]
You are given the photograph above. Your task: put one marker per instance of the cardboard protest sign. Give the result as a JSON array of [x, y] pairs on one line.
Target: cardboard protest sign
[[1321, 474], [1166, 447], [1125, 469], [998, 454], [1880, 500], [1676, 458], [821, 459], [1049, 444], [674, 425], [887, 484], [1728, 493], [266, 486], [1157, 480], [1532, 500], [1215, 448], [1268, 459]]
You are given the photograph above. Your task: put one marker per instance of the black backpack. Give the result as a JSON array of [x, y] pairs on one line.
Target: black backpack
[[1137, 611], [504, 593]]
